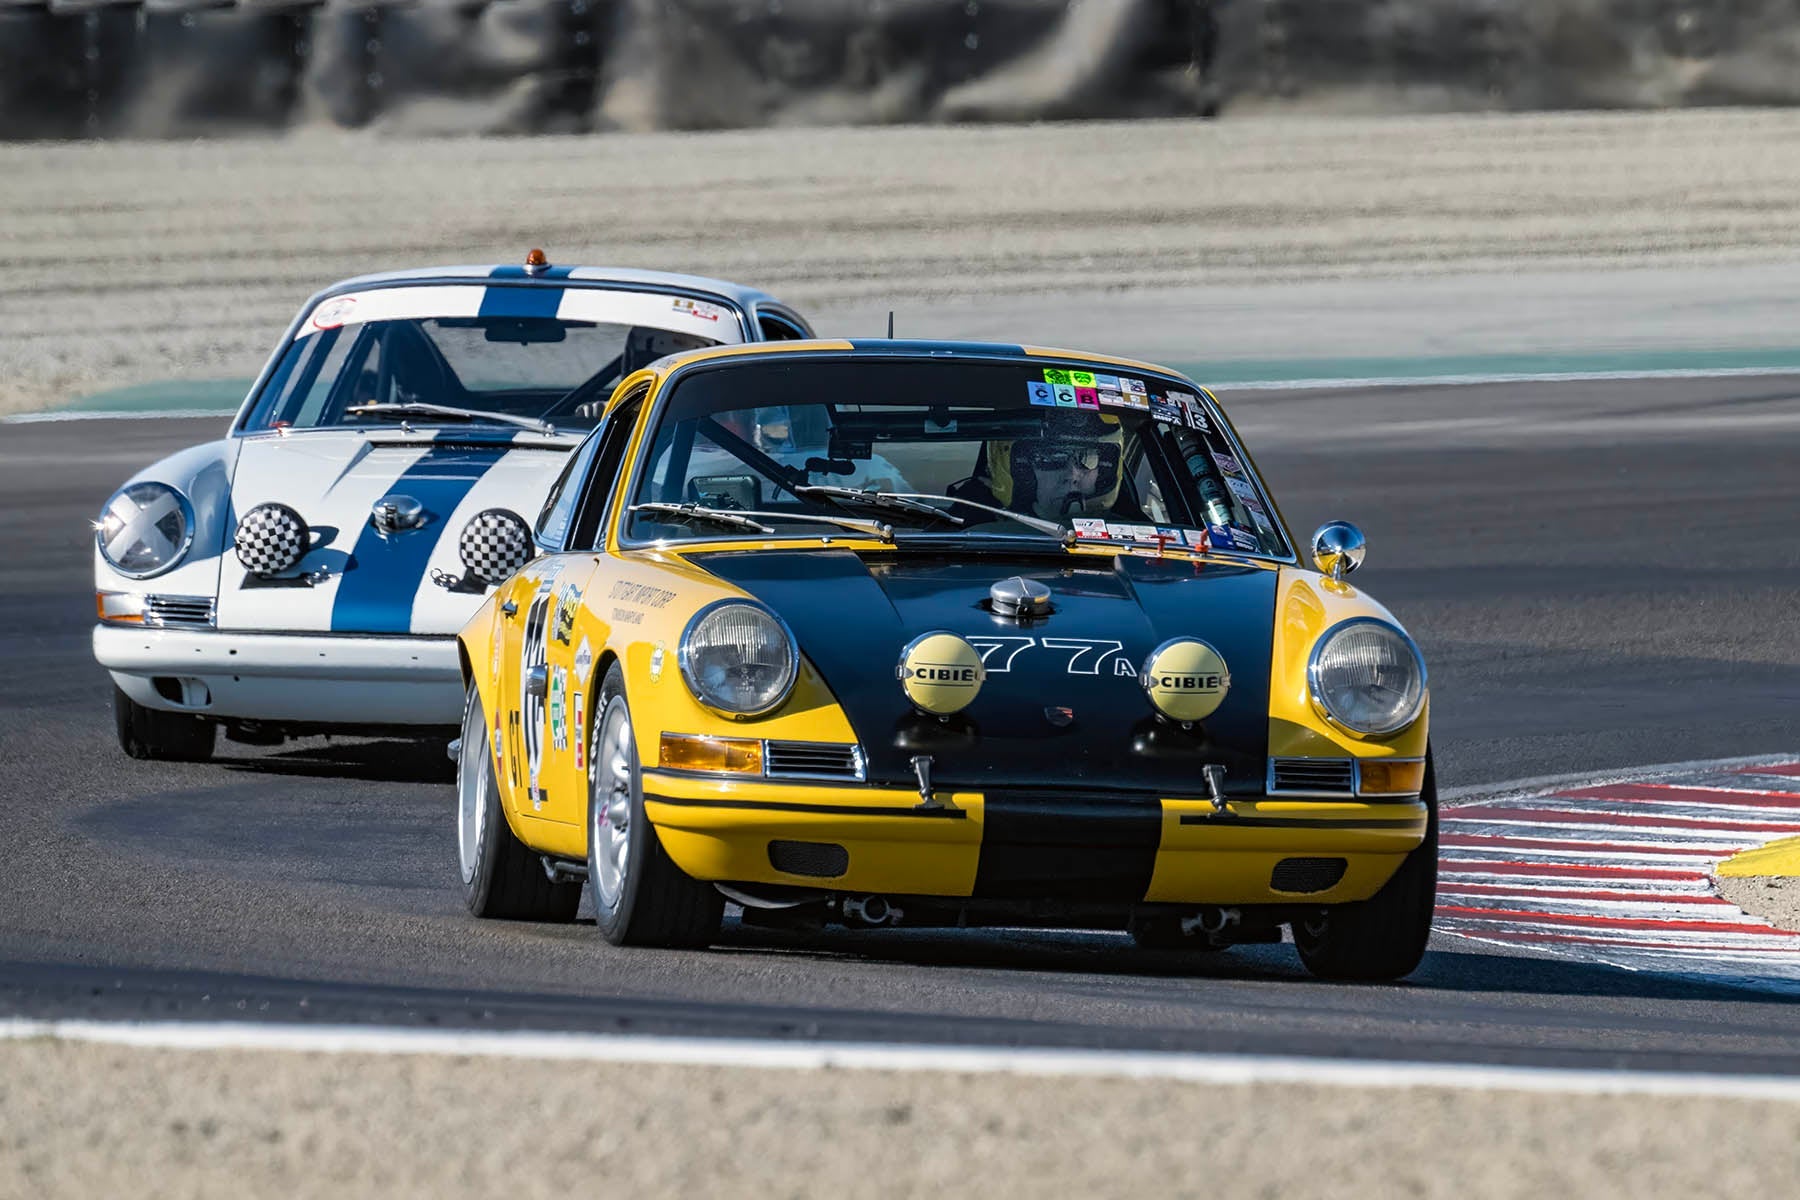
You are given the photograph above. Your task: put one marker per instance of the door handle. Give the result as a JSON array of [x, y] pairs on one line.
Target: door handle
[[510, 609]]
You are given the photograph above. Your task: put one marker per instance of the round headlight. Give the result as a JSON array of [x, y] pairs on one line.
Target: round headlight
[[1368, 676], [145, 529], [738, 658]]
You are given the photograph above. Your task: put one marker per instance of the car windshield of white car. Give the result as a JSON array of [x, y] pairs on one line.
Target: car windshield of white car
[[952, 448], [549, 368]]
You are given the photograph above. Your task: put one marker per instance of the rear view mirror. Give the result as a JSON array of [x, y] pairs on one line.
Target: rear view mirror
[[725, 491]]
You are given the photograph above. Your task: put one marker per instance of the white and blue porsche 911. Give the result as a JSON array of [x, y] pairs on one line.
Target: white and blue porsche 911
[[308, 572]]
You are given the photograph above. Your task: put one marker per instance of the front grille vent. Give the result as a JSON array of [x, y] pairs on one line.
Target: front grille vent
[[192, 611], [818, 860], [1302, 875], [812, 760], [1312, 776]]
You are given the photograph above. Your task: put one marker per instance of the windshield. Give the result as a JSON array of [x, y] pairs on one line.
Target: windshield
[[471, 355], [949, 447]]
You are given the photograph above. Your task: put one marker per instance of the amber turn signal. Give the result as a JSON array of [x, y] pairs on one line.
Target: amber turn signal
[[1392, 778], [119, 606], [686, 752]]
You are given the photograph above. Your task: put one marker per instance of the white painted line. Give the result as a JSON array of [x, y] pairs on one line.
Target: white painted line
[[1391, 381], [1544, 783], [173, 414], [872, 1056]]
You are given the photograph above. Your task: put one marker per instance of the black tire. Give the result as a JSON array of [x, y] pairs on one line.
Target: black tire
[[503, 879], [166, 736], [641, 898], [1383, 937]]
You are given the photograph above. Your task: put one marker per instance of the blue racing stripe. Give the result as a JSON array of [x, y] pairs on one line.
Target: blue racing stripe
[[520, 301], [376, 593]]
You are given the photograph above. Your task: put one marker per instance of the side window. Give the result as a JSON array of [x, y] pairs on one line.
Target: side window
[[778, 328], [602, 479], [559, 506]]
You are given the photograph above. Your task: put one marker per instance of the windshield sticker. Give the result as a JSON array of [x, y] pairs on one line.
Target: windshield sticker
[[1110, 397], [1133, 387], [1082, 379], [1107, 383], [1086, 397], [698, 309], [1230, 537], [1197, 539], [1190, 407], [1065, 395], [333, 313], [1227, 463], [1091, 527], [1241, 486], [1167, 410], [1263, 523], [1040, 393], [1053, 376]]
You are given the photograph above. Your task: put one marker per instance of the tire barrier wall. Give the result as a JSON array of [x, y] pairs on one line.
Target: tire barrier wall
[[182, 68]]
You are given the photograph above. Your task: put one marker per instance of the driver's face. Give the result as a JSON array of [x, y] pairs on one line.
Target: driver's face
[[1063, 487]]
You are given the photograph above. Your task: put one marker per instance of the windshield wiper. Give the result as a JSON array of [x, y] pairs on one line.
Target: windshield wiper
[[875, 499], [418, 408], [696, 514], [1026, 519]]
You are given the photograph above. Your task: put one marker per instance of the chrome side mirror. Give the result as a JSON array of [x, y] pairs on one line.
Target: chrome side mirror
[[1337, 548]]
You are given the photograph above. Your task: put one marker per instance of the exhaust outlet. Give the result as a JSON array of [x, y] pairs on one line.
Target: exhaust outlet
[[870, 910]]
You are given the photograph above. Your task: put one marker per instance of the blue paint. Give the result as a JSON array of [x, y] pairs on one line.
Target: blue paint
[[520, 301], [376, 592], [521, 274]]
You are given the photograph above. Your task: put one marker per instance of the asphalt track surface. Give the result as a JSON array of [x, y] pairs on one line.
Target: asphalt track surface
[[1601, 575]]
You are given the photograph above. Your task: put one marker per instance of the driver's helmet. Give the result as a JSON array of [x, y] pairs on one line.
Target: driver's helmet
[[1090, 438]]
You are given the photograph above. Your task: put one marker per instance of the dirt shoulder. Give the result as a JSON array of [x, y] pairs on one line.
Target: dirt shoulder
[[89, 1120], [139, 262], [1774, 898]]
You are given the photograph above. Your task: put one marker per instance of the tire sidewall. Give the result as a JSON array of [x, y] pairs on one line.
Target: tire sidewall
[[480, 878], [615, 920]]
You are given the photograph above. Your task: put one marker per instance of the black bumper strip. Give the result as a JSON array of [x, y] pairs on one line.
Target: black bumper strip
[[1099, 848], [836, 810], [1224, 820]]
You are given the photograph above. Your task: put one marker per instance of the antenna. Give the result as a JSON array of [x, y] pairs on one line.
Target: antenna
[[890, 324]]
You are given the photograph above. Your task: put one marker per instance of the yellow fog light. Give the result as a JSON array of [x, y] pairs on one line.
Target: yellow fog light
[[940, 673], [686, 752], [1185, 679], [1392, 778]]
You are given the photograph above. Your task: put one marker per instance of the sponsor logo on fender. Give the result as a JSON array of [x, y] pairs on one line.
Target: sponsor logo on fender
[[1186, 679]]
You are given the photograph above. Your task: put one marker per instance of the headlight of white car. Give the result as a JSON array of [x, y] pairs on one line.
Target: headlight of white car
[[738, 658], [1367, 676], [145, 529]]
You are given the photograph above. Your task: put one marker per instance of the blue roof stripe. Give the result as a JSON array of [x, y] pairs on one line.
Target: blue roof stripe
[[520, 301], [520, 273]]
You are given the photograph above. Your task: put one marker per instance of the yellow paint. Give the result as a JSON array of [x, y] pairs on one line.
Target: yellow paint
[[1776, 858]]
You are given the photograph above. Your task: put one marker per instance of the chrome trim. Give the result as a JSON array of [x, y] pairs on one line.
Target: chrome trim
[[1355, 780], [180, 611], [1338, 548], [858, 765], [1318, 701], [187, 540], [683, 657]]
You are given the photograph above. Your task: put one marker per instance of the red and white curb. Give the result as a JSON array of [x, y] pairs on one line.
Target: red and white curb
[[1621, 872]]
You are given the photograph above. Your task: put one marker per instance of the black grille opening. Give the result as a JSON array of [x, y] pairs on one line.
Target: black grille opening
[[1332, 775], [1307, 874], [819, 860], [817, 759]]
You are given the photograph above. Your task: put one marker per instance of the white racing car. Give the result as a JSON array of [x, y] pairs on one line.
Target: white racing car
[[308, 572]]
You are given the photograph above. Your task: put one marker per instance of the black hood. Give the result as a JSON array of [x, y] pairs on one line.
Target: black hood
[[853, 614]]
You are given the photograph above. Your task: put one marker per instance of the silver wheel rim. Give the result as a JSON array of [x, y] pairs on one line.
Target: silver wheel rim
[[612, 784], [471, 790]]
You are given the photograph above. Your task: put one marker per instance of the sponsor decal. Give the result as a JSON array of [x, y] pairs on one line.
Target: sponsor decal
[[1108, 383], [559, 708], [1164, 409], [1110, 397], [580, 706], [656, 663], [1133, 387], [1197, 539], [333, 313], [1254, 505], [698, 309], [940, 673], [1091, 527], [640, 594], [1230, 537], [1227, 463], [1040, 393], [1186, 679], [1191, 410], [1086, 397], [1054, 376], [584, 659], [1241, 486], [1065, 395], [567, 602], [1082, 379]]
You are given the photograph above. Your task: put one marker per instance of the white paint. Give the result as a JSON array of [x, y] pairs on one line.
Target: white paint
[[874, 1056]]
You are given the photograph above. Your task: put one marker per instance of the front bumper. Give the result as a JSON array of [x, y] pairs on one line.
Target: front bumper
[[1027, 845], [335, 680]]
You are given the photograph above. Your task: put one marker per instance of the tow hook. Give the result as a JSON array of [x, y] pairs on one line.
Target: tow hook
[[921, 765], [1215, 786]]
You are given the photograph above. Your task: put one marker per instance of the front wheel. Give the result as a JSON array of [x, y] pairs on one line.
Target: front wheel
[[151, 733], [641, 898], [1384, 936], [502, 877]]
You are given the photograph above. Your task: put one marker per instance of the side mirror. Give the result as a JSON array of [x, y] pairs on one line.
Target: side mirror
[[1337, 548]]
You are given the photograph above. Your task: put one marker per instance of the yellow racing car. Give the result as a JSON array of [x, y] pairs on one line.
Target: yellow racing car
[[906, 633]]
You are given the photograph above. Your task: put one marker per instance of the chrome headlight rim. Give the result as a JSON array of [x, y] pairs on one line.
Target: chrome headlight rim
[[1316, 690], [684, 659], [181, 551]]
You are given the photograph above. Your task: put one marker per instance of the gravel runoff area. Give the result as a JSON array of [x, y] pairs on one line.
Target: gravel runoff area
[[1774, 898], [134, 262], [78, 1120]]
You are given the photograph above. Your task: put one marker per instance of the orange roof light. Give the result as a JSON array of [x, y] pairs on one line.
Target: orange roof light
[[536, 261]]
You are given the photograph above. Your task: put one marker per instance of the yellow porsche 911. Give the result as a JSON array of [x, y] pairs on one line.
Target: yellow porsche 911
[[903, 633]]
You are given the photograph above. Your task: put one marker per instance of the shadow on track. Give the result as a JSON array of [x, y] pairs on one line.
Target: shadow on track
[[387, 761]]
